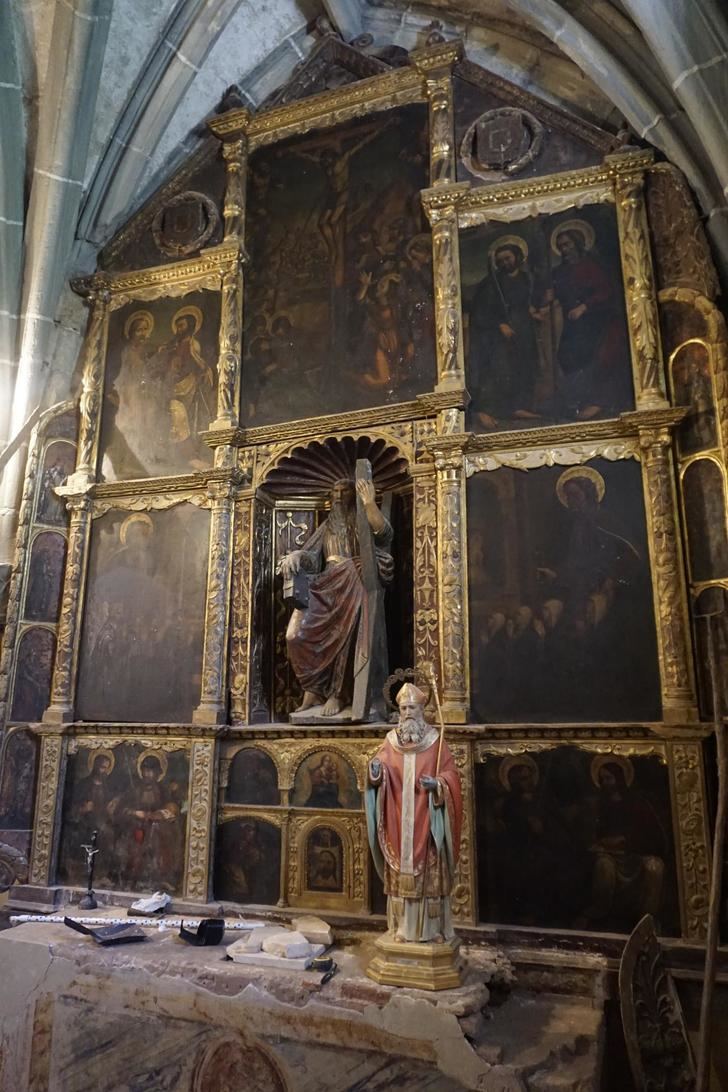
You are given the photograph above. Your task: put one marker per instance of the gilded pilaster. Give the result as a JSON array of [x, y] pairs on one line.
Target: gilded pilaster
[[436, 65], [229, 358], [92, 388], [691, 836], [240, 622], [463, 899], [235, 154], [49, 798], [448, 312], [63, 687], [640, 293], [452, 587], [668, 577], [213, 705], [427, 630], [202, 809]]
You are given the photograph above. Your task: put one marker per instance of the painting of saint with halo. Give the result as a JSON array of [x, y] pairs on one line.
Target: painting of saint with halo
[[161, 387]]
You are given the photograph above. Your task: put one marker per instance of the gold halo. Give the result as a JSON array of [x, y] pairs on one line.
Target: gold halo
[[508, 240], [612, 760], [146, 315], [580, 472], [160, 755], [423, 239], [581, 226], [507, 764], [95, 753], [191, 310], [135, 517]]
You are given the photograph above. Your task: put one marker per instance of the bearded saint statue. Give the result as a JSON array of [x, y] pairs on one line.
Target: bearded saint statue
[[328, 641], [414, 817]]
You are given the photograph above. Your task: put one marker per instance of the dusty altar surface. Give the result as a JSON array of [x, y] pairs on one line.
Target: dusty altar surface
[[165, 1016]]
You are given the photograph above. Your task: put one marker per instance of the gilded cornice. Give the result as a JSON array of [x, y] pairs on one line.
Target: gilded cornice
[[212, 262], [85, 733], [310, 428]]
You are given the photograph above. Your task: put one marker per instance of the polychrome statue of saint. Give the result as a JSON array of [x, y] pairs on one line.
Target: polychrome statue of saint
[[414, 816]]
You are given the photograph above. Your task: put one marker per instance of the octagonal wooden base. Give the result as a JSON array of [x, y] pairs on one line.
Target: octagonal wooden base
[[420, 966]]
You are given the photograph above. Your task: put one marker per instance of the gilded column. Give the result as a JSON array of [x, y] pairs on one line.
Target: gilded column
[[427, 630], [92, 389], [446, 280], [668, 577], [452, 586], [202, 814], [240, 624], [235, 154], [436, 64], [691, 835], [229, 358], [49, 798], [213, 704], [63, 686], [640, 293]]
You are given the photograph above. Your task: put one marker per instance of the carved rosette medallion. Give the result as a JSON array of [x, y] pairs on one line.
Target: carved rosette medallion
[[94, 359], [452, 586], [692, 837], [52, 760], [63, 686], [202, 778], [212, 707], [639, 282], [240, 624], [427, 629], [673, 641]]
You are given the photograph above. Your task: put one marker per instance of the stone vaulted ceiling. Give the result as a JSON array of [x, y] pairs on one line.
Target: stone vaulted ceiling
[[101, 99]]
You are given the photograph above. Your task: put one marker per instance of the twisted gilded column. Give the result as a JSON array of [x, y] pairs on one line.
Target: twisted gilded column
[[668, 577], [452, 587], [63, 686], [213, 704], [640, 293], [92, 389]]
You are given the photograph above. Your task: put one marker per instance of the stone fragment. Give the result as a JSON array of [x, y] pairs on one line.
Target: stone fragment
[[254, 941], [287, 945], [315, 930]]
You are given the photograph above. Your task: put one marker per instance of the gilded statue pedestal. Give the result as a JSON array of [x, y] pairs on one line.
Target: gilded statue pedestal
[[421, 966]]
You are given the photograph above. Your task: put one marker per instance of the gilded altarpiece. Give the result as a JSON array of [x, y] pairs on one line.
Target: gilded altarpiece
[[225, 390]]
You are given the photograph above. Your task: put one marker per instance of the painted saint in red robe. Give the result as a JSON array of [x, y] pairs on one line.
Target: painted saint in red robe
[[414, 818]]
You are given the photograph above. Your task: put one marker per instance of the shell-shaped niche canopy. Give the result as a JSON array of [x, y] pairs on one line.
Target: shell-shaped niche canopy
[[312, 469]]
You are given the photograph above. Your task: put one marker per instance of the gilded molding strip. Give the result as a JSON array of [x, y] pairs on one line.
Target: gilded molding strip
[[240, 622], [60, 710], [568, 455], [164, 280], [640, 293], [199, 828], [691, 830], [452, 587], [213, 706], [671, 608], [162, 736], [155, 502], [489, 748], [48, 803]]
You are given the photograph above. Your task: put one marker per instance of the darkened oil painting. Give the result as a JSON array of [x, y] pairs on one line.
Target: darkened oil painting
[[546, 327], [253, 778], [248, 861], [561, 610], [136, 797], [45, 577], [339, 299], [325, 780], [692, 386], [160, 387], [570, 839], [324, 861], [141, 644], [58, 463], [703, 487], [33, 674], [17, 784]]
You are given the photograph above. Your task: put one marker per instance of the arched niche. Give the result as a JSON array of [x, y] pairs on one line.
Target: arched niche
[[248, 861], [292, 497], [252, 778]]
